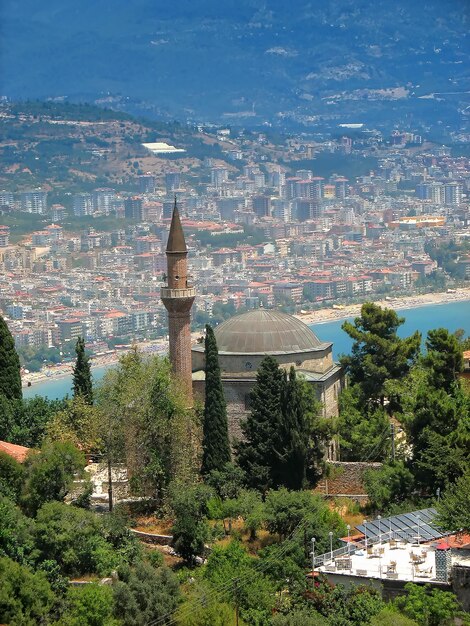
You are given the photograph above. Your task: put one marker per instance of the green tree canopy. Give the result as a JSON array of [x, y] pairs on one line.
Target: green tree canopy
[[12, 476], [439, 431], [190, 530], [215, 442], [285, 436], [389, 616], [89, 605], [253, 590], [25, 597], [256, 454], [301, 436], [31, 417], [82, 542], [10, 377], [430, 607], [50, 474], [454, 507], [287, 511], [145, 423], [362, 434], [391, 484], [17, 539], [300, 617], [82, 384], [144, 595], [378, 354], [78, 423], [444, 359]]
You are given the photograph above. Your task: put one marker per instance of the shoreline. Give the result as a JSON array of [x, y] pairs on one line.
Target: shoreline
[[323, 316], [320, 316]]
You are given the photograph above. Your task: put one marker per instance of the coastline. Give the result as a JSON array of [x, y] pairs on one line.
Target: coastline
[[320, 316]]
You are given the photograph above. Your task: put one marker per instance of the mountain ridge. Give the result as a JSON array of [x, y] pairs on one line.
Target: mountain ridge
[[208, 59]]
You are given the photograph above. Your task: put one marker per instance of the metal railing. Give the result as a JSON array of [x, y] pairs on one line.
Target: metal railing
[[354, 546]]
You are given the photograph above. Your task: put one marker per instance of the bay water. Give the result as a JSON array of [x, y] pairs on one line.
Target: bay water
[[452, 316]]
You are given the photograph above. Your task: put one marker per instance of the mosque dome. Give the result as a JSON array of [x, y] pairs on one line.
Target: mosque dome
[[264, 331]]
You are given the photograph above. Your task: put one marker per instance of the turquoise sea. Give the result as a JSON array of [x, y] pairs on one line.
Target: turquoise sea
[[452, 316]]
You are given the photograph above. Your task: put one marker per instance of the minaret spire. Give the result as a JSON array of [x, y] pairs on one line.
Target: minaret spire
[[176, 242], [178, 297]]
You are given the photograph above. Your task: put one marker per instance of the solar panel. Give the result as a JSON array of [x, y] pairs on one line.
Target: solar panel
[[405, 525]]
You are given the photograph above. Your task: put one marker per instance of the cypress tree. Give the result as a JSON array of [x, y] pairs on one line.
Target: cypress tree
[[258, 453], [215, 442], [294, 433], [82, 385], [10, 376], [284, 434]]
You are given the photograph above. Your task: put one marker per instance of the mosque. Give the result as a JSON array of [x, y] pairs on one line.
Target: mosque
[[243, 341]]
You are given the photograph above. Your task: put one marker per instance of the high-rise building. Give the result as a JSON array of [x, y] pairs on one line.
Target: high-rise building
[[103, 199], [34, 201], [82, 204], [172, 181], [341, 187], [423, 191], [219, 175], [178, 297], [453, 193], [7, 199], [261, 206], [346, 145], [437, 193], [133, 208], [147, 183], [316, 188], [281, 209], [4, 236]]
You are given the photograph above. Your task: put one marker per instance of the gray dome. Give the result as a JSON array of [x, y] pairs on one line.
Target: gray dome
[[265, 332]]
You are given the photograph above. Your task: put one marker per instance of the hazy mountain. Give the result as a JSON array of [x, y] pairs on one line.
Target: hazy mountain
[[207, 58]]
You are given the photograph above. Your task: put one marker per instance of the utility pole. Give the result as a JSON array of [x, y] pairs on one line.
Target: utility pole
[[110, 484], [392, 432], [313, 563]]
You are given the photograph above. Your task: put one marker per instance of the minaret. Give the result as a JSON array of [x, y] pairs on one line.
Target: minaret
[[178, 298]]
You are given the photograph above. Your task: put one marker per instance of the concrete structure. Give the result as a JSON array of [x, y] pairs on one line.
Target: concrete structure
[[178, 297], [245, 340]]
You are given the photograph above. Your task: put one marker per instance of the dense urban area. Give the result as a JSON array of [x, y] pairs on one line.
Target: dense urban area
[[297, 222]]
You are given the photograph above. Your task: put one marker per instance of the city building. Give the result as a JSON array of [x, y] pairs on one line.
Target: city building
[[34, 201]]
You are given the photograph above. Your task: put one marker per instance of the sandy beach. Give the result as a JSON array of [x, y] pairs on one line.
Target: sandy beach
[[319, 316], [406, 302]]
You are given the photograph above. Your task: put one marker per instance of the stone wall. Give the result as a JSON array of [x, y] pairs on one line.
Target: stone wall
[[346, 479], [159, 540], [461, 585]]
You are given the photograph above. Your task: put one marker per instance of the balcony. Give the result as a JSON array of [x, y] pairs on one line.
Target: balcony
[[188, 292]]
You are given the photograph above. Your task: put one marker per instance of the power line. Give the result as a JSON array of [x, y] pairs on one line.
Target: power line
[[228, 586]]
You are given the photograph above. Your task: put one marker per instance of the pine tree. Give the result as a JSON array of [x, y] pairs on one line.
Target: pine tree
[[378, 354], [10, 377], [444, 359], [82, 385], [257, 454], [215, 442]]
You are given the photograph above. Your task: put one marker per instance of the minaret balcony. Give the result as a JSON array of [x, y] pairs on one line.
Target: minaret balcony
[[168, 293]]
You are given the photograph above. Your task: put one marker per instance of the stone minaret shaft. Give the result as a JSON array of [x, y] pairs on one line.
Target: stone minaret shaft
[[178, 298]]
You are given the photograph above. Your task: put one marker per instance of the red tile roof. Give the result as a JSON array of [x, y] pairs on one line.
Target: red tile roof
[[17, 452]]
